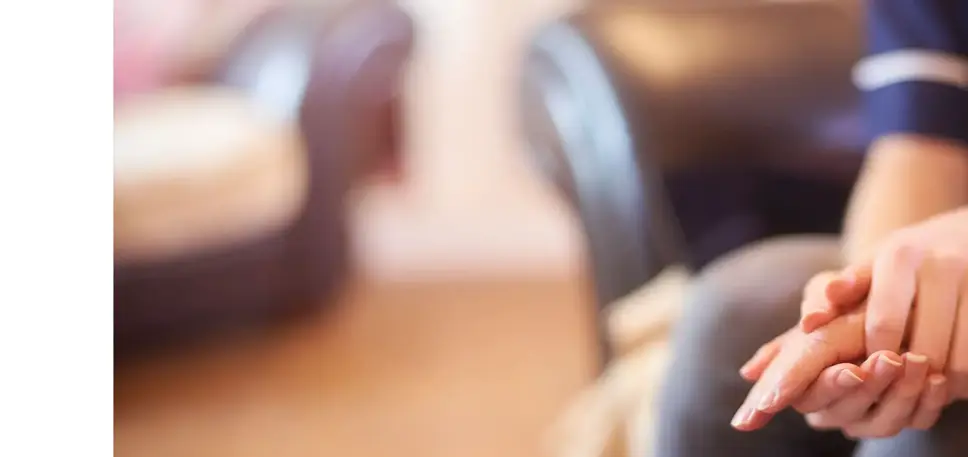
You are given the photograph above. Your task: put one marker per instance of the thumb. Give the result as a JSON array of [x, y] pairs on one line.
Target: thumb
[[815, 309], [850, 287], [830, 294]]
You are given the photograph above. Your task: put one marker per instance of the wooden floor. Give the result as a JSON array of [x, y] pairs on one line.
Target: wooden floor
[[436, 369]]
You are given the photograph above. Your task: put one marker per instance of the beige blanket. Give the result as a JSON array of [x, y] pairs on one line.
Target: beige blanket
[[614, 417]]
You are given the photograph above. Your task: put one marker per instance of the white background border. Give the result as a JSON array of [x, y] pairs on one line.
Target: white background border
[[56, 376]]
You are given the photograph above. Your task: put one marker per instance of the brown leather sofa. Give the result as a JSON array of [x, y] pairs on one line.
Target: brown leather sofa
[[683, 130], [334, 69]]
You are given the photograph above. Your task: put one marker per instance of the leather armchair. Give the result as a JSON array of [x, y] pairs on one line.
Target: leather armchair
[[683, 131], [335, 71]]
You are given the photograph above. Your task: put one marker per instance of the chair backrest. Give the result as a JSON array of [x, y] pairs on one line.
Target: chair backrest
[[746, 80], [719, 101]]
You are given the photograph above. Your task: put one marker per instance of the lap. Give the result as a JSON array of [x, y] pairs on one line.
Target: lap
[[750, 296], [948, 438], [735, 305]]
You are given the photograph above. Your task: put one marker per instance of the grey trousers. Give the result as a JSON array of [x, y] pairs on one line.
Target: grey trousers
[[740, 302]]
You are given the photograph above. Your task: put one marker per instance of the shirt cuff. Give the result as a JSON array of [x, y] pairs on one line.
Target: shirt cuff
[[926, 108]]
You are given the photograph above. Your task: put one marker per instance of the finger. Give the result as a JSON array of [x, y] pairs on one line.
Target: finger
[[821, 420], [840, 341], [754, 368], [850, 287], [830, 418], [815, 315], [815, 319], [892, 293], [802, 356], [815, 309], [933, 399], [957, 366], [832, 385], [933, 317], [832, 293], [898, 404], [884, 368], [801, 360]]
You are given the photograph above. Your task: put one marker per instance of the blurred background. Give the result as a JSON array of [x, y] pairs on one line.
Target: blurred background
[[447, 227], [463, 327]]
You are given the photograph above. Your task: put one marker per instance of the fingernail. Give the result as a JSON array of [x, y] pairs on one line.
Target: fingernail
[[936, 380], [849, 277], [847, 378], [887, 358], [814, 315], [812, 320], [916, 358], [841, 286], [744, 372], [886, 365], [741, 417], [768, 400]]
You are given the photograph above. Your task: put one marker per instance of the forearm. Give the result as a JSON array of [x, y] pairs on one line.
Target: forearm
[[906, 179]]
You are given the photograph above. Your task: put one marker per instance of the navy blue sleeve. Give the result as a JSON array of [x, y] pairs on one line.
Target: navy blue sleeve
[[915, 100]]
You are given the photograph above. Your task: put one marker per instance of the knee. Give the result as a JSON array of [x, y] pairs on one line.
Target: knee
[[736, 304], [751, 295]]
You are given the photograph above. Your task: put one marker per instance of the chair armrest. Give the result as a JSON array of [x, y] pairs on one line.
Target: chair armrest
[[334, 71]]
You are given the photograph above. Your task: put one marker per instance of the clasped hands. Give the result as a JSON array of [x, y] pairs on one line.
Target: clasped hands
[[901, 312]]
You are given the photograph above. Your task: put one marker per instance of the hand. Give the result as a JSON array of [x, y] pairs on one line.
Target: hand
[[922, 268], [882, 408], [832, 384], [788, 367], [830, 293], [880, 398]]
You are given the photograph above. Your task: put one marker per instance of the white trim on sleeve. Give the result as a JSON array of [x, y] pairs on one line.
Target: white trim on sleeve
[[905, 65]]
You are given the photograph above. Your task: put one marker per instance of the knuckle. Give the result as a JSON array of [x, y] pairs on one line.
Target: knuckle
[[873, 431], [907, 395], [818, 283], [908, 391], [923, 424], [885, 325], [855, 415], [894, 426], [957, 392], [855, 432], [935, 404], [819, 346], [902, 250], [956, 372], [821, 421], [807, 406], [947, 261], [957, 385]]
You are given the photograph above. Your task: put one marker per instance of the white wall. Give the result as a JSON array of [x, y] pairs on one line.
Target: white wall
[[472, 205]]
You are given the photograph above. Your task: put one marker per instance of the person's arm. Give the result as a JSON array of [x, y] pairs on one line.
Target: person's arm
[[915, 83], [906, 179]]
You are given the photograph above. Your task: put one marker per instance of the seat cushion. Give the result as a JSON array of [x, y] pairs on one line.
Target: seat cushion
[[199, 169]]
